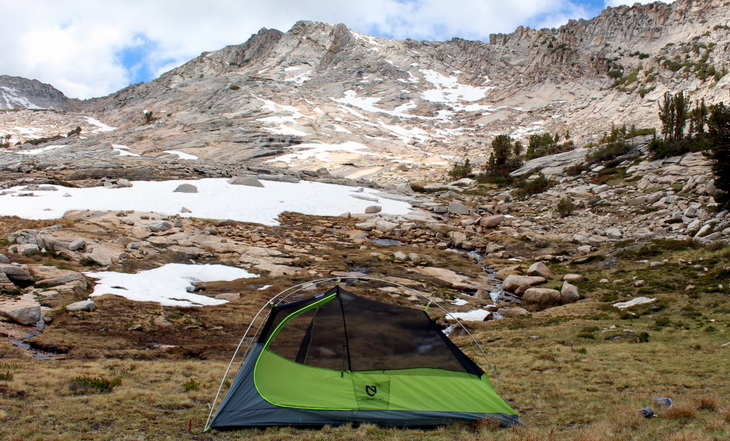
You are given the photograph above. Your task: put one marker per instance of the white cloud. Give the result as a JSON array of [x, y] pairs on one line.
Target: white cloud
[[78, 46]]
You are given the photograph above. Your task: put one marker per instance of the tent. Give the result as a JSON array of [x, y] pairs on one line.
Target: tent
[[338, 358]]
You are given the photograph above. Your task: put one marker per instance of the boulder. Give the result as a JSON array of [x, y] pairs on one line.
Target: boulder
[[373, 209], [27, 249], [24, 315], [250, 181], [514, 311], [385, 226], [518, 284], [569, 293], [491, 221], [17, 275], [6, 286], [459, 209], [84, 305], [158, 226], [4, 259], [74, 277], [228, 296], [186, 188], [542, 297], [539, 269], [76, 245], [573, 278], [510, 270]]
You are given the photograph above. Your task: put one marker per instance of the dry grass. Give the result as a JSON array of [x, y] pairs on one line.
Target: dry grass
[[564, 385]]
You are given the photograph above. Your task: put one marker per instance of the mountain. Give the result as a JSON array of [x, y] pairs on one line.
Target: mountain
[[21, 93], [323, 95]]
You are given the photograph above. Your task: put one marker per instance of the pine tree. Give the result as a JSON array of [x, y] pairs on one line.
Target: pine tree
[[718, 128]]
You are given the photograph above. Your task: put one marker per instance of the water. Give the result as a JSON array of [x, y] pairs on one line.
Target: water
[[498, 291], [37, 353]]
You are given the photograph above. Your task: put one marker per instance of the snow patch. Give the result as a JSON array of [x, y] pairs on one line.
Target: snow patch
[[476, 315], [123, 150], [182, 155], [39, 150], [14, 100], [101, 126], [166, 285]]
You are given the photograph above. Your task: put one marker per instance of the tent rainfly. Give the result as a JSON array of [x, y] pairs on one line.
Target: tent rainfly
[[338, 358]]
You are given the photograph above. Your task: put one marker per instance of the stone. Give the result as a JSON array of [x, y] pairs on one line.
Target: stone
[[250, 181], [569, 293], [228, 296], [513, 311], [158, 226], [84, 305], [491, 221], [504, 272], [6, 286], [614, 233], [4, 259], [639, 200], [601, 188], [24, 315], [514, 283], [400, 255], [542, 297], [540, 269], [704, 230], [385, 226], [63, 280], [440, 209], [78, 244], [27, 249], [186, 188], [17, 275], [458, 208], [584, 249], [373, 209], [573, 277]]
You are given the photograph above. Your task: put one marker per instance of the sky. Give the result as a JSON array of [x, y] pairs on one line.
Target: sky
[[91, 48]]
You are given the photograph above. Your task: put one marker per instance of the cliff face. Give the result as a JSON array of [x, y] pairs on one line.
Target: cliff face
[[387, 107]]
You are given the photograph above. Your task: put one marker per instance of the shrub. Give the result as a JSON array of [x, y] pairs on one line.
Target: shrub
[[191, 385], [93, 385], [609, 151], [6, 376], [461, 170], [534, 186], [575, 170], [566, 207]]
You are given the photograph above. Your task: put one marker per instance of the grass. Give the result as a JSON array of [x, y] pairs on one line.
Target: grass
[[578, 372]]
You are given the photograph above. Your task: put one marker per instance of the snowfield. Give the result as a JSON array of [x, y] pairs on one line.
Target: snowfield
[[215, 199]]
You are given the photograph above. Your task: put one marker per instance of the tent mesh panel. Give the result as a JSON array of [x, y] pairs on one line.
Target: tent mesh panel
[[354, 333]]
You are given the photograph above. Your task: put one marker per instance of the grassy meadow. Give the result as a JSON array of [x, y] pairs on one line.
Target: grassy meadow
[[577, 372]]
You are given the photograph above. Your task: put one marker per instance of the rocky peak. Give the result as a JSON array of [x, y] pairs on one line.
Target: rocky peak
[[22, 93]]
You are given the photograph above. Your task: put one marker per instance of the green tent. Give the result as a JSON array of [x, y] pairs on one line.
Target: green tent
[[338, 358]]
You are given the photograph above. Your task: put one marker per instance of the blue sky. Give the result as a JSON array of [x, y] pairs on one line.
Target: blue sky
[[90, 48]]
